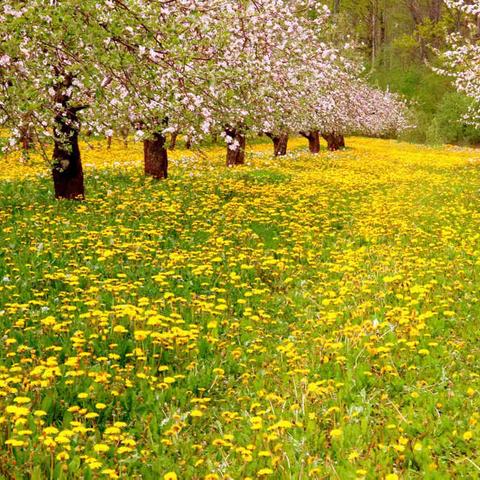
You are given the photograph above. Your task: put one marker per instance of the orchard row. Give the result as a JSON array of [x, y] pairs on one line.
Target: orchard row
[[200, 67]]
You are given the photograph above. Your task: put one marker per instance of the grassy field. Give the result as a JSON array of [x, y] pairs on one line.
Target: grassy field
[[311, 317]]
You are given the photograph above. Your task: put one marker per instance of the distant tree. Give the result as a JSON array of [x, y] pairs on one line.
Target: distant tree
[[271, 60], [462, 60]]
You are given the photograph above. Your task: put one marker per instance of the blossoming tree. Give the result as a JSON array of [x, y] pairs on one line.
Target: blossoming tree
[[365, 110], [106, 63], [158, 83], [463, 57], [207, 66], [48, 76], [264, 65]]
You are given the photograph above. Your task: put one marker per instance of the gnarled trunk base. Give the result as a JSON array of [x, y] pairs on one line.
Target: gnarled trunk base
[[155, 157], [124, 131], [26, 137], [334, 141], [173, 140], [280, 143], [313, 138]]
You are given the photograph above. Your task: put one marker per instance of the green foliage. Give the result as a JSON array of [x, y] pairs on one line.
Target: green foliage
[[448, 124], [401, 41], [438, 109], [426, 91]]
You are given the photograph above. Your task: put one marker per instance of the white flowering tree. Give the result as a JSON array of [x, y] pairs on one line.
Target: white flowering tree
[[268, 53], [363, 110], [48, 77], [159, 79], [276, 74], [196, 66], [106, 64], [462, 60]]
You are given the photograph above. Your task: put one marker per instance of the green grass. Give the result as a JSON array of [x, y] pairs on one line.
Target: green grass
[[312, 317]]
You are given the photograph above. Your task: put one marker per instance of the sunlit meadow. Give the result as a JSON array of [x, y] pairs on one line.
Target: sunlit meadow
[[310, 317]]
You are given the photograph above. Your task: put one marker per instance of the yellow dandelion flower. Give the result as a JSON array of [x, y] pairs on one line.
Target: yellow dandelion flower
[[101, 448], [62, 456], [170, 476], [264, 472], [336, 433]]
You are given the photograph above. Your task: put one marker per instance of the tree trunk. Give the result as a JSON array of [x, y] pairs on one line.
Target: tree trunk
[[188, 143], [336, 7], [124, 131], [235, 151], [67, 168], [173, 140], [383, 26], [280, 143], [436, 10], [155, 157], [26, 137], [373, 32], [314, 141], [334, 141], [313, 138]]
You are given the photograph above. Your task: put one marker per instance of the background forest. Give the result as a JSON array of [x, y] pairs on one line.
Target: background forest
[[399, 39]]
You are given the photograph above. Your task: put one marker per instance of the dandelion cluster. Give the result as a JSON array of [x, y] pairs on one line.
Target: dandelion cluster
[[297, 318]]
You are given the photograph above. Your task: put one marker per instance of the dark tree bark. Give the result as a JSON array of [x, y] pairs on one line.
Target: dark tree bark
[[280, 143], [188, 143], [313, 138], [67, 168], [383, 27], [236, 156], [109, 142], [334, 141], [155, 157], [173, 140]]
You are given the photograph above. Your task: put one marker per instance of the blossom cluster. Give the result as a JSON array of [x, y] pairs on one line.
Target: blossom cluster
[[462, 60]]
